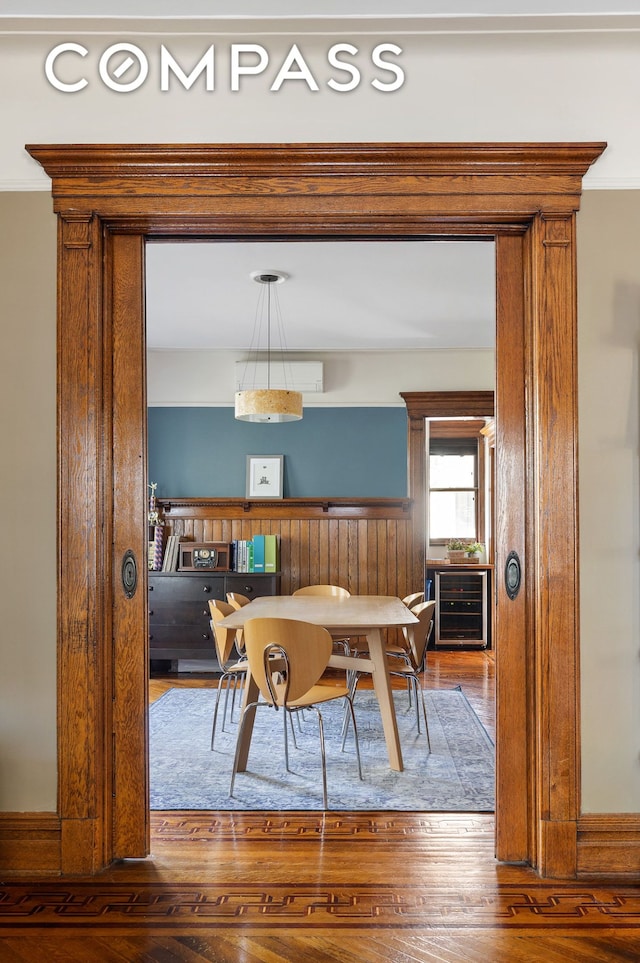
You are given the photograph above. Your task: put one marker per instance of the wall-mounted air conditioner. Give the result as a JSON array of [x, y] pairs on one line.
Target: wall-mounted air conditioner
[[303, 376]]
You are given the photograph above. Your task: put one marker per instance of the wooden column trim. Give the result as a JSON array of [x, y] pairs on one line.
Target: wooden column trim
[[81, 430], [554, 452], [515, 760], [128, 789]]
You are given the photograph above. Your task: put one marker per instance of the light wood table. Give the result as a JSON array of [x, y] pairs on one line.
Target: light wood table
[[365, 615]]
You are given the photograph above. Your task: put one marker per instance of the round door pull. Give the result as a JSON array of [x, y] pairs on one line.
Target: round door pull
[[512, 575], [129, 574]]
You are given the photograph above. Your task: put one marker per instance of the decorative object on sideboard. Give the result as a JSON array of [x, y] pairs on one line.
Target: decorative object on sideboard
[[456, 548], [205, 557], [264, 403], [473, 552], [156, 532], [463, 550]]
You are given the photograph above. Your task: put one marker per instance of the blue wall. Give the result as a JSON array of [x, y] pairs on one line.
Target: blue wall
[[331, 453]]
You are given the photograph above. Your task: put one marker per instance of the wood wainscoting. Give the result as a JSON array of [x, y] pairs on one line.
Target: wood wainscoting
[[363, 544]]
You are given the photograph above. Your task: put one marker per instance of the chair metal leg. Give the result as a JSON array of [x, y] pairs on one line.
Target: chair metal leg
[[286, 742], [426, 724], [237, 687], [355, 734], [414, 687], [215, 710], [417, 687], [226, 676], [293, 731], [323, 757], [353, 685]]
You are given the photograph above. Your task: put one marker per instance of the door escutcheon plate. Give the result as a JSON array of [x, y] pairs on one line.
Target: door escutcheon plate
[[512, 575]]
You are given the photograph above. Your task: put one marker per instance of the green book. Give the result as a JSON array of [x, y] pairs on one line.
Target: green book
[[271, 553]]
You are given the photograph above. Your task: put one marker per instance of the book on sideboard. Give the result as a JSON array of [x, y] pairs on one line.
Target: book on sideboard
[[261, 553]]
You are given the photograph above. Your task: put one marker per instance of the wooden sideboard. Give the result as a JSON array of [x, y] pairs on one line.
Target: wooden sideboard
[[179, 609]]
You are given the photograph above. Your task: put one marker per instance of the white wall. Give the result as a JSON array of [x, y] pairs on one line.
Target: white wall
[[459, 87], [28, 490], [366, 378], [609, 410]]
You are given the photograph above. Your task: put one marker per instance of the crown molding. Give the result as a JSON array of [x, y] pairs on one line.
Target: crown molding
[[322, 25]]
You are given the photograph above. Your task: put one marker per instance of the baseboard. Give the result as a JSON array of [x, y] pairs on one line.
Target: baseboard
[[609, 844], [29, 844]]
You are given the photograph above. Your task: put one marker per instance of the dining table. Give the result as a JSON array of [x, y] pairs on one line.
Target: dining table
[[343, 617]]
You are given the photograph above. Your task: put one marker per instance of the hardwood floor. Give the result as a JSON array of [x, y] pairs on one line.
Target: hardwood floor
[[318, 887]]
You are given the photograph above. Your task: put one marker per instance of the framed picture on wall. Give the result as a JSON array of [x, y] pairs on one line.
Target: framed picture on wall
[[265, 476]]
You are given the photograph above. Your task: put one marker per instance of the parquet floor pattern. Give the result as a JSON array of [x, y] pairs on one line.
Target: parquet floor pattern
[[315, 887]]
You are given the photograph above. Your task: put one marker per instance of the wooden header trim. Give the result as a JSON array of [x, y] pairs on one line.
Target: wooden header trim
[[449, 404], [283, 160], [445, 182]]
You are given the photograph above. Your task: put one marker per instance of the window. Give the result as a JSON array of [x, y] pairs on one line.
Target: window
[[453, 489]]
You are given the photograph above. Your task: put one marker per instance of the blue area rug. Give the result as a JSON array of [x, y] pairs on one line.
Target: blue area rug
[[457, 776]]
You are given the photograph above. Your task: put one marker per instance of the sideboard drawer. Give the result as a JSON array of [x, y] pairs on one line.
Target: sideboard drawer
[[247, 584], [166, 612], [182, 588]]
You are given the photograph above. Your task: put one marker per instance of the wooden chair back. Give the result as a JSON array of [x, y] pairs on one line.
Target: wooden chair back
[[336, 590], [237, 599], [286, 657], [414, 599], [224, 638], [418, 635]]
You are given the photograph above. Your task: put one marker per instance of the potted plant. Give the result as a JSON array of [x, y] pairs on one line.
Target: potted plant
[[456, 548], [473, 550]]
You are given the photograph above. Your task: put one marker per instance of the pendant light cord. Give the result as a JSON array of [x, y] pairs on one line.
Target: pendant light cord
[[269, 335]]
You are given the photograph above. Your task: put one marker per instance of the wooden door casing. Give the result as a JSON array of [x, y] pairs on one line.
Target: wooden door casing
[[504, 191]]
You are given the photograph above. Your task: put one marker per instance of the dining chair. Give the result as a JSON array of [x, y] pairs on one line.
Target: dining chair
[[234, 669], [410, 664], [392, 648], [417, 637], [237, 599], [323, 590], [287, 658], [414, 599], [329, 590]]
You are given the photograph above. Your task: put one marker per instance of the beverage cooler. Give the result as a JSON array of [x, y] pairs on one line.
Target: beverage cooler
[[461, 613]]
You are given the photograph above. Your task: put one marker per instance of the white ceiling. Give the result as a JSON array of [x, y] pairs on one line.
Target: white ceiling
[[339, 295]]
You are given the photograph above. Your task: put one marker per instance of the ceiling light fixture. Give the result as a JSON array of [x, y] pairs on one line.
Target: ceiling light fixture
[[263, 402]]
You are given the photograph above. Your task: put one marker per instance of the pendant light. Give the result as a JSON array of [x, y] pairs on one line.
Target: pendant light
[[264, 403]]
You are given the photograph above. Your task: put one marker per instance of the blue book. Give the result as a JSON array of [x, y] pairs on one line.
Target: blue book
[[258, 553]]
